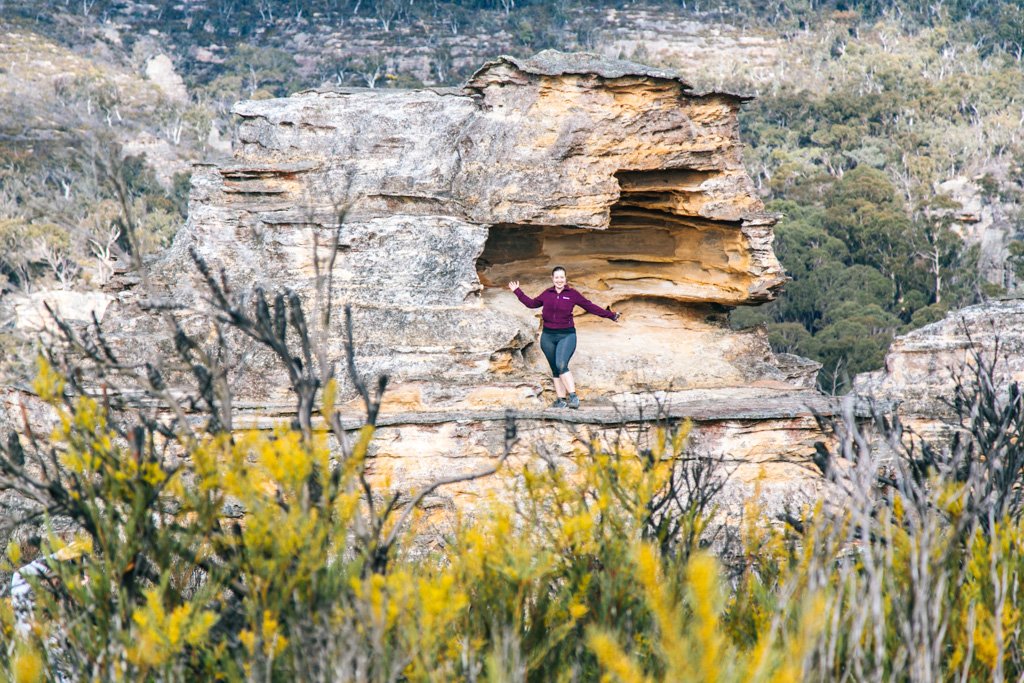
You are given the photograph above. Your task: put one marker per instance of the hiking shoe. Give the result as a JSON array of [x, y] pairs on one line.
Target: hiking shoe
[[559, 403], [574, 401]]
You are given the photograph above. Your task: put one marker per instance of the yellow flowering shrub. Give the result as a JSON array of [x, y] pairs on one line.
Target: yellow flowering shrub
[[27, 666], [256, 555], [158, 635]]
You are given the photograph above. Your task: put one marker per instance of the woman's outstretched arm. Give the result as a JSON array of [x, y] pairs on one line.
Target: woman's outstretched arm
[[521, 295], [590, 307]]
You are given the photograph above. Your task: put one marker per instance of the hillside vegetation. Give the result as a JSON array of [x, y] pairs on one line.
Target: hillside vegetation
[[862, 165], [886, 135], [174, 545]]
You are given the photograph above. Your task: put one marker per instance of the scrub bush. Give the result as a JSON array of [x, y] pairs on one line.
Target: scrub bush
[[203, 551]]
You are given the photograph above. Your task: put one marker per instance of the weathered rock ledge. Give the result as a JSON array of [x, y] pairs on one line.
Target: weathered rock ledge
[[698, 410], [760, 438], [920, 367], [618, 172]]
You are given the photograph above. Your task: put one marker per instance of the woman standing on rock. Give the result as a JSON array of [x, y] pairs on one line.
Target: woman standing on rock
[[558, 340]]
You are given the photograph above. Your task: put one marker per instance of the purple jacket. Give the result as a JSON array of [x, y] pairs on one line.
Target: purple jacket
[[557, 313]]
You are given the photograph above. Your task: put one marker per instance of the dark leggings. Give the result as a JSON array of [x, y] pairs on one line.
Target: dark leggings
[[558, 347]]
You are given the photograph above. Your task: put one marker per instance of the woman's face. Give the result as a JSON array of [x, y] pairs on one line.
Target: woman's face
[[558, 278]]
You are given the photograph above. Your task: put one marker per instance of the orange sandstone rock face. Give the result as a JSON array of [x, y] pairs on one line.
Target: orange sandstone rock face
[[621, 173], [920, 366]]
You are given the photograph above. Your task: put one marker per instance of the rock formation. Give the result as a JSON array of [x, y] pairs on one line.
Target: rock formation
[[986, 221], [618, 172], [160, 70], [920, 367], [621, 173]]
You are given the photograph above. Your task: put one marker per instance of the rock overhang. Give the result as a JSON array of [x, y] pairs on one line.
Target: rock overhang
[[619, 172], [567, 141], [556, 63], [623, 174]]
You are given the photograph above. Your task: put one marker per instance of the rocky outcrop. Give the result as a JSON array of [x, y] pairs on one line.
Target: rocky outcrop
[[618, 172], [984, 220], [920, 367], [160, 70], [623, 174]]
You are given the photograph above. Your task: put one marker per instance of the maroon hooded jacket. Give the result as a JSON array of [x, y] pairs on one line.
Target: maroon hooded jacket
[[558, 307]]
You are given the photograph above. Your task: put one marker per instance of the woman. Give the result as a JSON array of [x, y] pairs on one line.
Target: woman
[[558, 340]]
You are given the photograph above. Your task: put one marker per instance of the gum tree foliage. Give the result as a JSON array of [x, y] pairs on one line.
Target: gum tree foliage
[[864, 268], [909, 95], [55, 193]]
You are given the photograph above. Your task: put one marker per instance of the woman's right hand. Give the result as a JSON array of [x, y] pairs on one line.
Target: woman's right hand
[[514, 285]]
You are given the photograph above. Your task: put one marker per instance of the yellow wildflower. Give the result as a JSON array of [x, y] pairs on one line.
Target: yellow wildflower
[[27, 666]]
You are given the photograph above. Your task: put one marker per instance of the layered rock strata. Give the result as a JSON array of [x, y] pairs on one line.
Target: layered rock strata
[[621, 173], [919, 372]]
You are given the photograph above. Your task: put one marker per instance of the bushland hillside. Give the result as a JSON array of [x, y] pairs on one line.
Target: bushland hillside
[[886, 135]]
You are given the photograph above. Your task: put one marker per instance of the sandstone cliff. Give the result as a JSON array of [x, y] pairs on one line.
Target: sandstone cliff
[[623, 174], [618, 172], [920, 367]]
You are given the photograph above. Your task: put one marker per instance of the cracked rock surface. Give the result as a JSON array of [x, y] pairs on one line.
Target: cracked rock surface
[[920, 365], [621, 173]]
